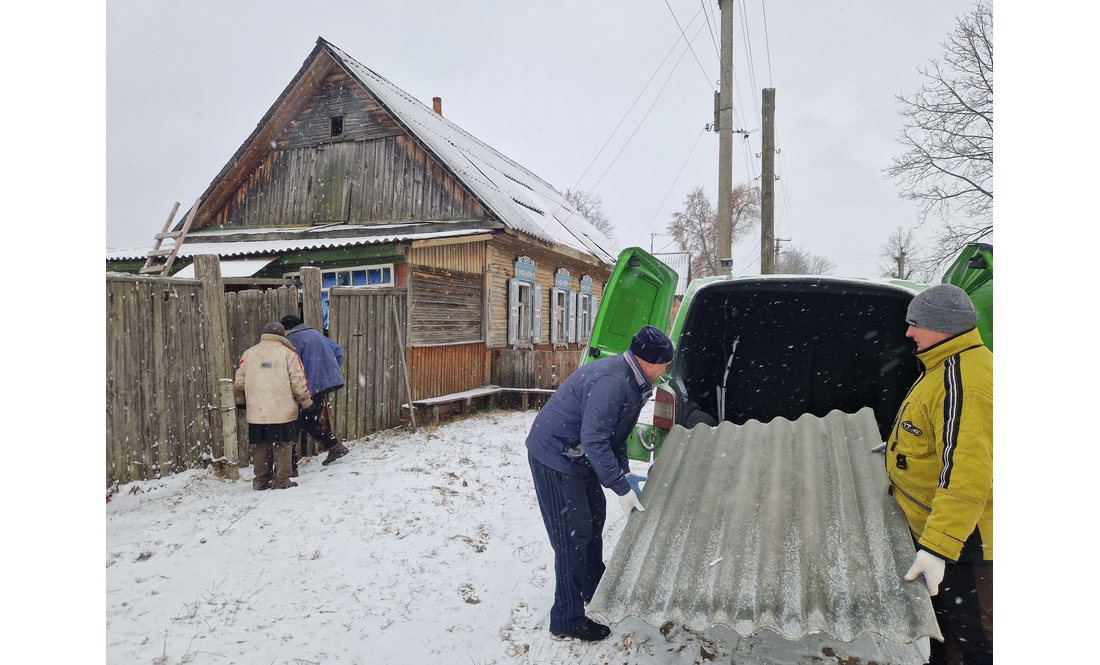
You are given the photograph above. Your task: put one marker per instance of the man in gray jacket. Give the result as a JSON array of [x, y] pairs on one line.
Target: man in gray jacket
[[270, 385]]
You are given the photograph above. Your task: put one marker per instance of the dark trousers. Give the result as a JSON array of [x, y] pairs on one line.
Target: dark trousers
[[315, 422], [574, 511], [964, 610]]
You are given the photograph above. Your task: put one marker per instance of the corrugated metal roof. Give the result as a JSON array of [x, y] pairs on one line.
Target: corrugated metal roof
[[521, 199], [209, 242], [681, 263], [784, 526]]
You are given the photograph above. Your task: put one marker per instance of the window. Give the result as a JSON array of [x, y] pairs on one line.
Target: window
[[524, 306], [586, 310], [523, 298], [563, 310], [336, 125], [584, 317], [378, 275], [559, 321]]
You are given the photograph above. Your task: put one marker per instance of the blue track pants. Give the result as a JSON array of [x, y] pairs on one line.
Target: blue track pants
[[574, 511]]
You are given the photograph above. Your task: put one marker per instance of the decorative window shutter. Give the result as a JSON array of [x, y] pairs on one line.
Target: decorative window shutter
[[513, 311], [536, 314], [572, 309], [554, 316]]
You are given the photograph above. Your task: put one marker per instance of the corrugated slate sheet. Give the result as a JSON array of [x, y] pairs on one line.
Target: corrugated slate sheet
[[204, 242], [784, 526]]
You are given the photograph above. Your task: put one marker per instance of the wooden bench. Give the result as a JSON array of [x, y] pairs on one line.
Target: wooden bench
[[436, 408]]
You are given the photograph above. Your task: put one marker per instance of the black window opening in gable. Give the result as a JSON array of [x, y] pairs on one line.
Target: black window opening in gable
[[336, 125]]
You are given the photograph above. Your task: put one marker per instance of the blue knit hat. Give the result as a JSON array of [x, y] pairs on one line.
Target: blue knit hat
[[942, 308], [652, 346]]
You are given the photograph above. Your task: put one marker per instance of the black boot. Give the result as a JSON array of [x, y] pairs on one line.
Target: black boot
[[589, 632], [335, 453]]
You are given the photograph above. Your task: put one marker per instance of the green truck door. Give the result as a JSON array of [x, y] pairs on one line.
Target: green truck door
[[639, 292], [972, 272]]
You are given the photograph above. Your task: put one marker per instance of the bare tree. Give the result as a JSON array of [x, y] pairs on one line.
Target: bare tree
[[695, 228], [797, 261], [903, 257], [947, 165], [590, 207]]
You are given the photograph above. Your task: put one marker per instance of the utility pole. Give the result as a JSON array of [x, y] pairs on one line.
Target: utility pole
[[901, 264], [725, 143], [767, 185], [775, 258]]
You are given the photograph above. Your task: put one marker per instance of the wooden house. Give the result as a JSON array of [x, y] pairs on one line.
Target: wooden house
[[348, 173]]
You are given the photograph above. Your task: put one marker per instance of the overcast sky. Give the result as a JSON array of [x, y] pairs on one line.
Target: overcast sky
[[548, 84]]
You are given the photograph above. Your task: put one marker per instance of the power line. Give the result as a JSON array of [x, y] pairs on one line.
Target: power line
[[689, 44], [674, 180], [642, 121], [623, 119], [767, 43], [748, 53], [710, 29]]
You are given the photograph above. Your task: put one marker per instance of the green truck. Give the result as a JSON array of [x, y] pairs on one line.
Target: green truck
[[765, 346]]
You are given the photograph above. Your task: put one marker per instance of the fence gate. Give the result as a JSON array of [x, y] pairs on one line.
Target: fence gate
[[246, 313], [361, 321]]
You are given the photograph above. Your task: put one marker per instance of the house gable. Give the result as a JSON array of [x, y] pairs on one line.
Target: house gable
[[338, 96], [294, 172], [388, 160]]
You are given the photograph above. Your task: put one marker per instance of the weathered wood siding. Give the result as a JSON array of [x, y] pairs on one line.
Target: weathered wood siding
[[446, 306], [458, 255], [442, 370], [361, 321], [159, 389], [538, 368], [348, 181], [338, 95], [501, 257]]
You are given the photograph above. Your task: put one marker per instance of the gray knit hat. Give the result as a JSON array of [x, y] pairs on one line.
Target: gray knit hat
[[942, 308], [274, 328]]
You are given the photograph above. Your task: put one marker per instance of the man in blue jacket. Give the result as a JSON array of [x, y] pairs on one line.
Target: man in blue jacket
[[578, 444], [321, 358]]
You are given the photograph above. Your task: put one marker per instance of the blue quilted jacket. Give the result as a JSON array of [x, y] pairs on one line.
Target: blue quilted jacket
[[321, 358], [583, 428]]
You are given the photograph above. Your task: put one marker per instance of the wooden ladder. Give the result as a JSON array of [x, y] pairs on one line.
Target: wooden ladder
[[168, 256]]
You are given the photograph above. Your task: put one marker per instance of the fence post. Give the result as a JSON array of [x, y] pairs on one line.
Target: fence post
[[312, 314], [208, 271]]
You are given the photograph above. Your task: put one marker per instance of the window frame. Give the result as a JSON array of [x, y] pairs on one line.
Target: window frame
[[524, 306], [335, 272]]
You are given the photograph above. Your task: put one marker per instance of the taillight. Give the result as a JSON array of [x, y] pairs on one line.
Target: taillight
[[664, 408]]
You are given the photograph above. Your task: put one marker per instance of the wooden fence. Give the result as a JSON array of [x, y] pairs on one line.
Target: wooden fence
[[160, 393], [165, 406], [362, 321], [171, 357]]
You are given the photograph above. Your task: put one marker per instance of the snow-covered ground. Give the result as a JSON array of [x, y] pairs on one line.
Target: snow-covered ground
[[422, 547]]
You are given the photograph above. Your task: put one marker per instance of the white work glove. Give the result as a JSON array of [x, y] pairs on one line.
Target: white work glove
[[629, 501], [929, 565]]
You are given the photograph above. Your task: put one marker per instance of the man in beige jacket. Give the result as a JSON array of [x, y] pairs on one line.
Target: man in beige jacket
[[270, 385]]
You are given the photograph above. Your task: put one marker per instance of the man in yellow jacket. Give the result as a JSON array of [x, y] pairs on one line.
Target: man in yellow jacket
[[270, 385], [940, 464]]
